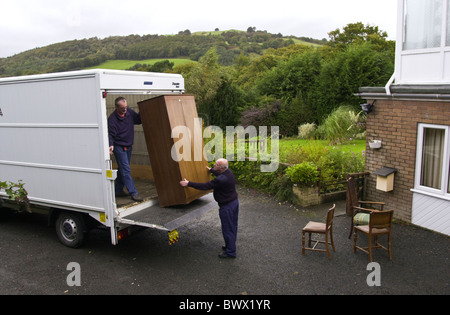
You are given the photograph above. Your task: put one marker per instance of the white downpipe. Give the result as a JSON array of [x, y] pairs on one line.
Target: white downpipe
[[388, 85]]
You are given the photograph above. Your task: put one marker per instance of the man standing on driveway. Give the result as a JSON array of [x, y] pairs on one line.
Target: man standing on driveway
[[121, 138], [226, 196]]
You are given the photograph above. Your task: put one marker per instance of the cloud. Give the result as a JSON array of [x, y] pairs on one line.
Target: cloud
[[29, 24]]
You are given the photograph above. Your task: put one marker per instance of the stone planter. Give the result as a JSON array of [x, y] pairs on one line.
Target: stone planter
[[306, 196]]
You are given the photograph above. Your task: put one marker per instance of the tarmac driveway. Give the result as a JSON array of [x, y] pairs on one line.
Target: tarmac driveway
[[269, 261]]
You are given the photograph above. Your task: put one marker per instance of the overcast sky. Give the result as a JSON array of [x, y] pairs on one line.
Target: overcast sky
[[27, 24]]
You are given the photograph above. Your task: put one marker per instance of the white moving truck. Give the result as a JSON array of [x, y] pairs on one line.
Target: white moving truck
[[54, 138]]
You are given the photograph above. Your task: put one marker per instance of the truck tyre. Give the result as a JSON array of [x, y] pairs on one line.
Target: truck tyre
[[71, 229], [6, 213]]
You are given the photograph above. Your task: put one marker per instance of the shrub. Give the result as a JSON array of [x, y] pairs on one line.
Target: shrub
[[340, 125], [337, 164], [17, 192], [304, 174], [249, 174], [260, 116], [311, 152], [306, 131]]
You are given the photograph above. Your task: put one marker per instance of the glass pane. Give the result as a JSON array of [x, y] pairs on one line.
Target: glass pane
[[432, 157], [448, 186], [423, 24], [448, 24]]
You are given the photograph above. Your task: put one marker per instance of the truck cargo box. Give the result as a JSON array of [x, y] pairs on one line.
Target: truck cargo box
[[54, 138]]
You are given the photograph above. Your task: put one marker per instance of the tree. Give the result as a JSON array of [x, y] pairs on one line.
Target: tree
[[204, 78], [356, 32], [223, 109], [249, 74], [185, 32], [360, 64], [296, 76]]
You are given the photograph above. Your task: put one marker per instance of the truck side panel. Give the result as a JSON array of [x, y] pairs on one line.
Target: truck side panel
[[52, 139]]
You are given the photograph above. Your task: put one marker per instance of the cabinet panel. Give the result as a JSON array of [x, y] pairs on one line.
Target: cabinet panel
[[159, 116]]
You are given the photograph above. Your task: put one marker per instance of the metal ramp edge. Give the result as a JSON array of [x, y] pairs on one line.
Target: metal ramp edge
[[169, 218]]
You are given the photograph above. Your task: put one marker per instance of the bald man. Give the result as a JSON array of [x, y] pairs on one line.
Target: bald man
[[226, 196]]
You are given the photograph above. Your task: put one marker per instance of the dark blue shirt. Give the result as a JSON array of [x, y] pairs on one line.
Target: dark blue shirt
[[223, 184], [121, 129]]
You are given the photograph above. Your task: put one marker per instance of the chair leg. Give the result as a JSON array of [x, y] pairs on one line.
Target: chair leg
[[354, 241], [351, 230], [326, 245], [389, 246], [332, 241], [303, 242], [370, 247]]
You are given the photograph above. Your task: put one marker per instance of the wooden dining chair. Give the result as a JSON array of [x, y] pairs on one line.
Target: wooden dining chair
[[359, 214], [320, 228], [380, 223]]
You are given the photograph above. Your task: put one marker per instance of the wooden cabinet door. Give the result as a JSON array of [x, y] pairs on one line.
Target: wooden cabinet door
[[160, 116]]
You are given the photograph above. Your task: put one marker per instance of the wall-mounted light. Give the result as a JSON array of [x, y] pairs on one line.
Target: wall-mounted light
[[367, 108]]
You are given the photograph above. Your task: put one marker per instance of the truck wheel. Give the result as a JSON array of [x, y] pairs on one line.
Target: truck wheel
[[6, 214], [71, 229]]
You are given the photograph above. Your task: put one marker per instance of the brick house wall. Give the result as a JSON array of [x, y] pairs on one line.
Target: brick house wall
[[395, 122]]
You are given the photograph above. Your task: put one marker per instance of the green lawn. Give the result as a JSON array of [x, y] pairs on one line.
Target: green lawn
[[356, 146], [289, 145], [126, 64]]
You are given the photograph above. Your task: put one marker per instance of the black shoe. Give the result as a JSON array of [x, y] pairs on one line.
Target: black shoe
[[224, 248], [122, 194], [223, 255], [137, 198]]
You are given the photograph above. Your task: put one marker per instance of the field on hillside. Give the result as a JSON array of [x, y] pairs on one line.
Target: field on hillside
[[216, 33], [126, 64]]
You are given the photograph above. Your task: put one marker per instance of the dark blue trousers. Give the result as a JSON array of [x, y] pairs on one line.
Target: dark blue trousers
[[229, 218], [124, 171]]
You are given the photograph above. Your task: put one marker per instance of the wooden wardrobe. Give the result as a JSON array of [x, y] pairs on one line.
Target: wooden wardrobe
[[160, 116]]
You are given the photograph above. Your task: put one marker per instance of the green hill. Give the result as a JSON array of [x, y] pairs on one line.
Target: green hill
[[123, 52]]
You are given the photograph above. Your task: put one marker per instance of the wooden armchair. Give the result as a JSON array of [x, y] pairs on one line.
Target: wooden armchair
[[359, 214], [380, 223]]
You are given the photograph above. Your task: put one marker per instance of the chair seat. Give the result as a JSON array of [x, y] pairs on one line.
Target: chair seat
[[315, 227], [365, 229]]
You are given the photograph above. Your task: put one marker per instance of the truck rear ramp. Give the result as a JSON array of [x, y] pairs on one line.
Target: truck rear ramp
[[169, 218]]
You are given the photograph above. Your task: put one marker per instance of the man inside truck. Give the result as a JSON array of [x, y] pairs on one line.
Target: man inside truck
[[226, 196], [121, 138]]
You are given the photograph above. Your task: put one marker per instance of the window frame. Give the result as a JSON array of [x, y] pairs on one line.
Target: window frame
[[430, 60], [444, 191]]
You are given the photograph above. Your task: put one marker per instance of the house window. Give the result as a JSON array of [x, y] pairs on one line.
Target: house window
[[448, 22], [423, 24], [433, 159]]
